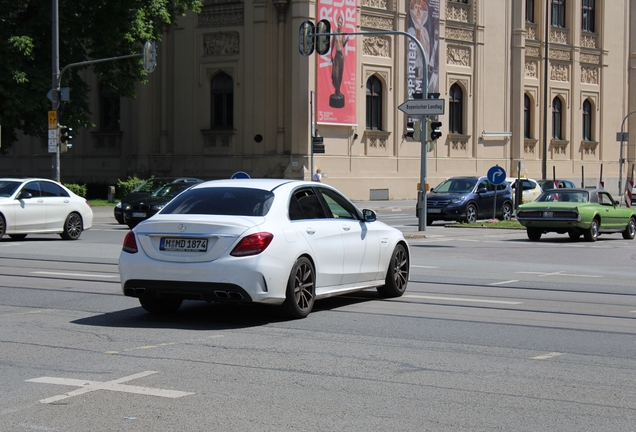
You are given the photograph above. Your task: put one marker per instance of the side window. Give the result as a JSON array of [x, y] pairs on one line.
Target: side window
[[33, 188], [305, 204], [484, 184], [604, 199], [52, 190], [339, 206]]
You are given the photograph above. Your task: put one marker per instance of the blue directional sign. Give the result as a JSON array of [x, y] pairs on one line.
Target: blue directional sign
[[496, 175], [240, 175]]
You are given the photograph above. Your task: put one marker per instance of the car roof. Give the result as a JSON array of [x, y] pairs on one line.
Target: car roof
[[258, 183]]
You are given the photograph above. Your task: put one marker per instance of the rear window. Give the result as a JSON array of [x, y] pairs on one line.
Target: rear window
[[226, 201], [8, 188]]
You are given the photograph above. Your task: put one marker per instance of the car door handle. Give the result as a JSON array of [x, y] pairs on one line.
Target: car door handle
[[346, 228], [40, 201], [310, 231]]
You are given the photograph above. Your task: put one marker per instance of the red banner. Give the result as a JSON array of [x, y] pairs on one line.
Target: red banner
[[336, 75]]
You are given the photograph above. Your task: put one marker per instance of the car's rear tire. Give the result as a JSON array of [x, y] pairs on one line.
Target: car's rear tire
[[630, 230], [397, 275], [301, 289], [471, 213], [506, 211], [73, 227], [574, 235], [18, 236], [160, 306], [534, 234], [3, 226], [591, 234]]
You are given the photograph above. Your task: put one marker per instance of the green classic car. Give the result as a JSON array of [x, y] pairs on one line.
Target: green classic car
[[587, 212]]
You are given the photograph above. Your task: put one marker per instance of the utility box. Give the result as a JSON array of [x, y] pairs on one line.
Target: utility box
[[111, 194]]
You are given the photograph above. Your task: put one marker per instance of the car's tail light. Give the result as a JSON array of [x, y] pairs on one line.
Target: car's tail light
[[130, 244], [252, 244], [87, 203]]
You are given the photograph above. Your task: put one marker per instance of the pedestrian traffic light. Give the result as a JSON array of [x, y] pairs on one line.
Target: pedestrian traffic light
[[414, 130], [323, 29], [65, 138], [428, 133], [435, 132]]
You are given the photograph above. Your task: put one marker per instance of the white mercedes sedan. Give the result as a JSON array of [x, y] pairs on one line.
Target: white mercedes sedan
[[41, 206], [278, 242]]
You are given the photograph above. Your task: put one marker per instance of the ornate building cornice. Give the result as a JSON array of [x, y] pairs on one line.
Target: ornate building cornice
[[221, 16], [222, 43], [460, 34], [376, 46], [376, 22]]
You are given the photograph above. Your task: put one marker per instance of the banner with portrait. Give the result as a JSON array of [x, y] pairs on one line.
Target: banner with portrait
[[336, 74], [423, 23]]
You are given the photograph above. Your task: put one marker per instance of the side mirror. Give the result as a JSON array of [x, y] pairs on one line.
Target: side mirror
[[482, 190], [25, 195], [369, 215]]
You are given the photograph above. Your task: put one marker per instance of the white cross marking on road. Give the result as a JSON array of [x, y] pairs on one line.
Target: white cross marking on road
[[115, 385]]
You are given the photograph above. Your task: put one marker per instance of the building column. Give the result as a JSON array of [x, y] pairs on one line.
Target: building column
[[281, 9], [518, 73]]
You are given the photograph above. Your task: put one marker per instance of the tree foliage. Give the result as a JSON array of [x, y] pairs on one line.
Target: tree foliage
[[88, 30]]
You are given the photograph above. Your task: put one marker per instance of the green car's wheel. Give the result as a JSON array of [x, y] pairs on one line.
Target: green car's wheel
[[630, 230], [533, 234], [592, 232]]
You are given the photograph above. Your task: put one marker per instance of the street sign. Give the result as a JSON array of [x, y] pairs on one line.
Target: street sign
[[496, 175], [240, 175], [622, 136], [52, 119], [423, 107]]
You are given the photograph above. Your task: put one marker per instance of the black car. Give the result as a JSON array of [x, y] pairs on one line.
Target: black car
[[139, 210], [145, 189], [466, 199]]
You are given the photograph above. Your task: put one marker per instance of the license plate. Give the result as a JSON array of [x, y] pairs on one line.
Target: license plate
[[183, 244], [433, 210], [141, 215], [548, 214]]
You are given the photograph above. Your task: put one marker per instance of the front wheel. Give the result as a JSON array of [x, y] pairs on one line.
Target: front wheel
[[592, 232], [471, 213], [301, 289], [73, 227], [160, 306], [397, 275], [630, 230], [534, 234]]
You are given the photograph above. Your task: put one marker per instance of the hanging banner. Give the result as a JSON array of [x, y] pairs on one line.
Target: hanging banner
[[336, 75], [423, 23]]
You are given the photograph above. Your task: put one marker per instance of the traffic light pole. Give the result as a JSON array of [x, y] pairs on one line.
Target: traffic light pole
[[421, 194]]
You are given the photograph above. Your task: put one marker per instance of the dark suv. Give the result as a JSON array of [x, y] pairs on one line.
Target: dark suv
[[145, 189], [466, 199]]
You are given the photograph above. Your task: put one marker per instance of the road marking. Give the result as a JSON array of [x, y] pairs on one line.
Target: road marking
[[115, 385], [634, 311], [76, 274], [429, 267], [145, 347], [560, 273], [504, 282], [460, 299], [547, 356]]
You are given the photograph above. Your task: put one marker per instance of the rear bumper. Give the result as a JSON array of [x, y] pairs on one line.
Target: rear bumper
[[207, 291]]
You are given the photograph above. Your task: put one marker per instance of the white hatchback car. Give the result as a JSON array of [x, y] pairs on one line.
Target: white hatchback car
[[41, 206], [279, 242]]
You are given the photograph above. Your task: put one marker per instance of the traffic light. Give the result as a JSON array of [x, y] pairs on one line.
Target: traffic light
[[323, 28], [414, 130], [65, 138], [435, 132], [430, 143], [318, 145]]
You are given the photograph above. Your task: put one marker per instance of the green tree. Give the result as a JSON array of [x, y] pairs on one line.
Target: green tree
[[88, 30]]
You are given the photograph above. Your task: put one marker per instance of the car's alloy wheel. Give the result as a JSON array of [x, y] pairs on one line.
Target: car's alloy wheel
[[471, 213], [160, 306], [592, 232], [301, 289], [533, 234], [73, 227], [397, 275], [630, 230], [506, 211]]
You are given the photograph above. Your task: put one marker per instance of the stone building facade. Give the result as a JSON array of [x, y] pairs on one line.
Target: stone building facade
[[231, 92]]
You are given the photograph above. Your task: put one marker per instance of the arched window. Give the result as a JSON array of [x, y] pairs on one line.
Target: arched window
[[588, 13], [587, 120], [108, 108], [527, 119], [557, 119], [455, 108], [558, 13], [222, 101], [530, 11], [374, 103]]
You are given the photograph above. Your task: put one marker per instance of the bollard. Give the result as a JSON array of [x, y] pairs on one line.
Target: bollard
[[111, 194]]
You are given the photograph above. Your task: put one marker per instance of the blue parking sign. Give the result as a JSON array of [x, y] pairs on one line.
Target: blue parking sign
[[496, 175]]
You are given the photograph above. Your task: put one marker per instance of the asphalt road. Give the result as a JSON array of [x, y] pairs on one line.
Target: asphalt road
[[495, 333]]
